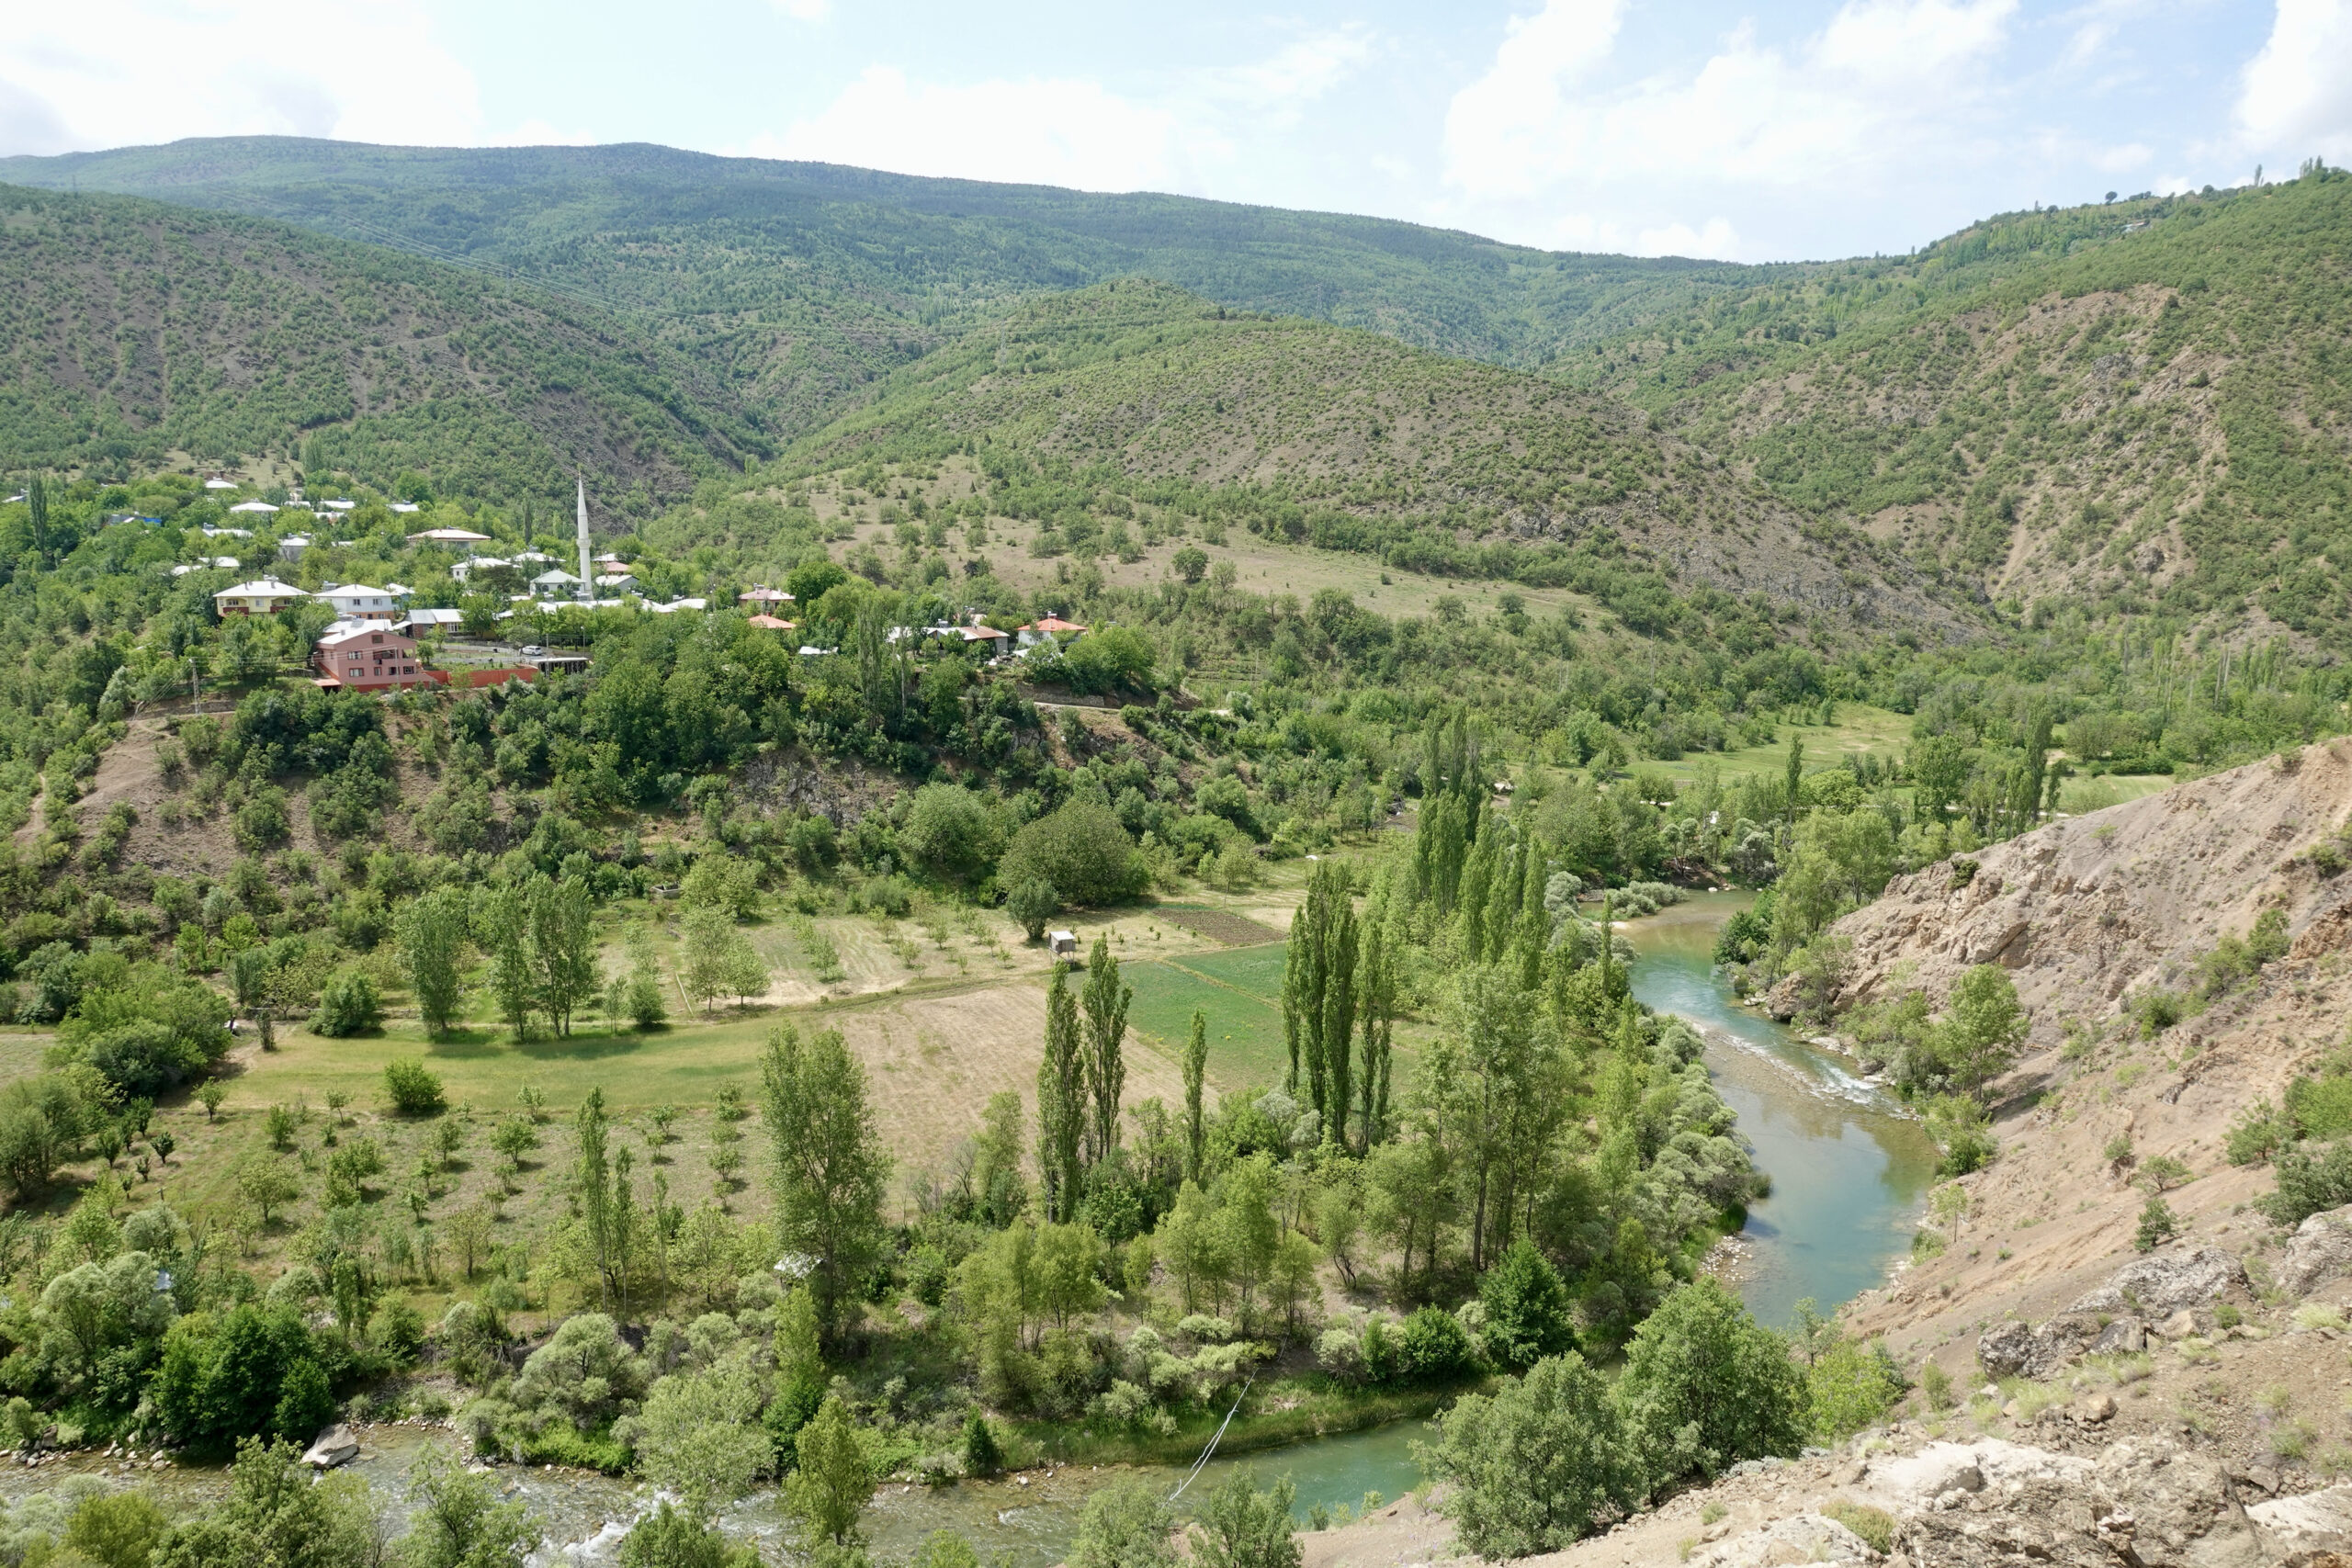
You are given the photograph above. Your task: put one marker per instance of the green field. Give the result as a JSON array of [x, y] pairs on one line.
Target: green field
[[1859, 728], [1245, 1025]]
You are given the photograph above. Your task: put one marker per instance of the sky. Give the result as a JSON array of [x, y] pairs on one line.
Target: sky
[[1762, 131]]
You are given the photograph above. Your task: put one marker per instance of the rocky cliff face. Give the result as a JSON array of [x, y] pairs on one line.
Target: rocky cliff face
[[2088, 910]]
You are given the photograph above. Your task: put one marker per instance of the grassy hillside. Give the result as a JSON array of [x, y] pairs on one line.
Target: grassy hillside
[[806, 280], [1083, 407], [129, 330], [2140, 408]]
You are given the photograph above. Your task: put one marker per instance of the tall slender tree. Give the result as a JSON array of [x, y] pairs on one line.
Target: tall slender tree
[[1106, 1001], [830, 1166], [1196, 1065], [1376, 1017], [1319, 994], [564, 967], [1061, 1100], [607, 1211], [432, 939]]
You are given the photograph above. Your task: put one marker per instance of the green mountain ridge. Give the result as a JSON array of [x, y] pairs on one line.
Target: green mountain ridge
[[2145, 408], [1085, 403], [806, 280], [133, 330]]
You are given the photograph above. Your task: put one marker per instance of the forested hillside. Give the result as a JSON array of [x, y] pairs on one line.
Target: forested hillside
[[808, 279], [1088, 404], [2141, 409], [130, 331]]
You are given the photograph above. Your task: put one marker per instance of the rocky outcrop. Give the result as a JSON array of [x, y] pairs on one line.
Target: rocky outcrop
[[2085, 911], [2166, 1282], [2312, 1523], [2148, 1502], [1808, 1537], [2320, 1250], [2026, 1351]]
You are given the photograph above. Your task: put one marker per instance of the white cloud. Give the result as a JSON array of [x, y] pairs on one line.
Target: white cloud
[[117, 73], [1887, 90], [1074, 131], [1861, 96], [2297, 94], [806, 10], [1037, 131]]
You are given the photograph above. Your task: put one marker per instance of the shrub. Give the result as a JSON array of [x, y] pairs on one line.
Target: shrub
[[981, 1454], [348, 1005], [1435, 1347], [2308, 1183], [1124, 1525], [2157, 1225], [414, 1090], [1875, 1526], [1080, 851], [1706, 1387], [1537, 1465], [1849, 1386], [1527, 1308]]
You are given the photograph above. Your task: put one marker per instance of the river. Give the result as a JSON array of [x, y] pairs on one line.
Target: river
[[1848, 1168], [1848, 1175]]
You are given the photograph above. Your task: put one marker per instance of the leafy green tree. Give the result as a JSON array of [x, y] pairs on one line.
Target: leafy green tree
[[502, 931], [830, 1484], [251, 1370], [120, 1529], [647, 1008], [433, 939], [1318, 997], [1244, 1527], [563, 948], [1192, 563], [607, 1210], [1061, 1100], [1126, 1524], [1539, 1464], [950, 832], [1526, 1307], [279, 1512], [1706, 1387], [1196, 1063], [982, 1455], [1984, 1027], [699, 1435], [829, 1167], [348, 1005], [412, 1088], [1851, 1385], [671, 1538], [1033, 901], [2157, 1225], [456, 1521], [1080, 851]]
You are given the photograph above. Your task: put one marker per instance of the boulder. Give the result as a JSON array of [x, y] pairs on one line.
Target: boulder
[[2314, 1522], [2148, 1503], [1807, 1538], [2320, 1250], [2124, 1337], [2018, 1349], [2166, 1282], [332, 1446]]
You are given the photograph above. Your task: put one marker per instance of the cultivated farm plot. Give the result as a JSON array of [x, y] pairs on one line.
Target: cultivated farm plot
[[1859, 729], [1245, 1027]]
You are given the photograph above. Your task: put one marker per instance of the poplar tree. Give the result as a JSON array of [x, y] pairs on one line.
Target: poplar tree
[[1105, 1001], [1061, 1096], [1196, 1065], [607, 1211], [563, 948], [1319, 994], [1376, 1019], [830, 1169], [432, 939], [500, 931]]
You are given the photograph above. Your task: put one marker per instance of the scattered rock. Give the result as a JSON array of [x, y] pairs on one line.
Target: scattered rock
[[2180, 1325], [2166, 1282], [2097, 1408], [1807, 1538], [333, 1446], [2320, 1250]]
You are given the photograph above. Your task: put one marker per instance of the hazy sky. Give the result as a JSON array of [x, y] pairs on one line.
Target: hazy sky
[[1762, 131]]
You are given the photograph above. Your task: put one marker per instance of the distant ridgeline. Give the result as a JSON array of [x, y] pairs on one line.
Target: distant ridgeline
[[2129, 410]]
